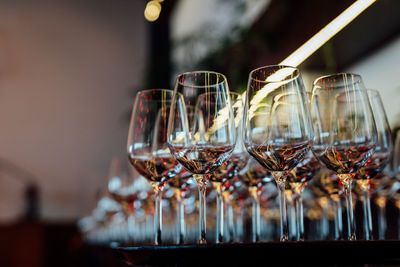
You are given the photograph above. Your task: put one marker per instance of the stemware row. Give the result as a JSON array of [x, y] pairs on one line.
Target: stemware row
[[275, 131]]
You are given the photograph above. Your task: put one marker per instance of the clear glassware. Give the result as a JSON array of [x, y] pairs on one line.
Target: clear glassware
[[106, 209], [120, 185], [236, 162], [147, 145], [345, 131], [298, 179], [382, 188], [255, 176], [180, 184], [278, 132], [201, 132], [236, 194], [396, 173], [396, 155], [327, 184], [395, 197], [376, 164], [331, 183], [229, 188]]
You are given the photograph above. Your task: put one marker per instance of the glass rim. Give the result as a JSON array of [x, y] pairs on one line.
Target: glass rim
[[278, 97], [156, 89], [337, 75], [276, 66], [374, 92], [201, 72], [146, 91], [338, 95], [235, 93]]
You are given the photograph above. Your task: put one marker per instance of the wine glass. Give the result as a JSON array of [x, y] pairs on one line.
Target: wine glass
[[121, 188], [120, 185], [255, 177], [396, 155], [396, 173], [298, 179], [382, 187], [278, 132], [345, 131], [180, 184], [327, 183], [378, 161], [235, 195], [204, 139], [147, 145], [236, 162], [395, 197]]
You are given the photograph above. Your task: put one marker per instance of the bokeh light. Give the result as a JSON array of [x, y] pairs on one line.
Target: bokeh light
[[152, 11]]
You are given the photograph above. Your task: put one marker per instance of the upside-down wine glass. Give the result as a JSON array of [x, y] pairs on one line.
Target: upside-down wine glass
[[147, 145], [204, 139], [345, 131], [278, 132], [375, 165]]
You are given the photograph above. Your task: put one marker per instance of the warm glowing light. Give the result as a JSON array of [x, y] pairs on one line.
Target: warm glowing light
[[152, 10], [223, 115], [309, 47], [326, 33], [276, 80]]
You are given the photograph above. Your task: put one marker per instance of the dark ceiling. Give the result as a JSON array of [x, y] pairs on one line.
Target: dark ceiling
[[374, 28], [285, 26]]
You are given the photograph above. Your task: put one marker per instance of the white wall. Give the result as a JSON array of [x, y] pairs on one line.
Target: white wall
[[381, 71], [67, 73]]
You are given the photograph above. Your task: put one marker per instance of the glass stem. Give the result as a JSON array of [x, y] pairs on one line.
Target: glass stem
[[280, 179], [158, 217], [338, 218], [367, 214], [324, 223], [299, 216], [347, 181], [255, 213], [180, 218], [398, 222], [240, 226], [230, 218], [131, 227], [258, 219], [202, 185], [381, 222], [220, 212]]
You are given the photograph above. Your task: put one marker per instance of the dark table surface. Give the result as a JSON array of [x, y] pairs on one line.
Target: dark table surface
[[308, 253]]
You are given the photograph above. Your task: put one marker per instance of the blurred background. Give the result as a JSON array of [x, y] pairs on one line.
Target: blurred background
[[69, 70]]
